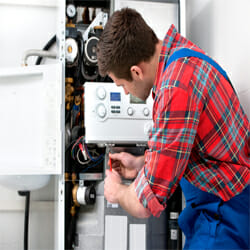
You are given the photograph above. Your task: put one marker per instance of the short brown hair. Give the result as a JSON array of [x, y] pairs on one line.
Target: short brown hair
[[126, 41]]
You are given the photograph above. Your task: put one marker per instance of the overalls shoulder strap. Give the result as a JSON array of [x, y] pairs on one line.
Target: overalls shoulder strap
[[185, 52]]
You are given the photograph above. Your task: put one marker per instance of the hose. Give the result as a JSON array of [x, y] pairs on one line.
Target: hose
[[46, 47], [26, 217]]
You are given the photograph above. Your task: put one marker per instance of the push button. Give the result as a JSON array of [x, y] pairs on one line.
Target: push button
[[130, 111], [146, 111]]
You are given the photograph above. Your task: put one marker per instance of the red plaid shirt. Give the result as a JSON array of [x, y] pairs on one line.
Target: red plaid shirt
[[200, 131]]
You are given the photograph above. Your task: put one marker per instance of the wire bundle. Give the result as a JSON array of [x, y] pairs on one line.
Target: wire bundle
[[85, 156]]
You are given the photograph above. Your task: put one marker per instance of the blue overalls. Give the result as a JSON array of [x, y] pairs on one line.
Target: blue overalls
[[207, 221], [210, 223]]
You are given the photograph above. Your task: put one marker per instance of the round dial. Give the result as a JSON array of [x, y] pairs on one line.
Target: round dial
[[101, 110], [71, 11], [130, 111], [101, 93]]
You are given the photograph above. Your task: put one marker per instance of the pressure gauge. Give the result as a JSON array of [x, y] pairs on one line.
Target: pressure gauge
[[71, 11]]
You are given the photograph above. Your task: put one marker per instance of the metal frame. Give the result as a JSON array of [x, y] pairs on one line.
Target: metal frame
[[59, 208]]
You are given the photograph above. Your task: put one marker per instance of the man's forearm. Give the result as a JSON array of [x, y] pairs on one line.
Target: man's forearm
[[129, 201]]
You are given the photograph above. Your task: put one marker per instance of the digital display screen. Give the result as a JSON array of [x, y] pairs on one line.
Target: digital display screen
[[136, 100], [115, 96]]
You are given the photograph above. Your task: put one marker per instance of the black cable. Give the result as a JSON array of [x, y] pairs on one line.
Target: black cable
[[79, 40], [46, 47], [26, 217]]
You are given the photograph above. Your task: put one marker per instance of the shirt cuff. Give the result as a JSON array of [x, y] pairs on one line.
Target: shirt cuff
[[146, 196]]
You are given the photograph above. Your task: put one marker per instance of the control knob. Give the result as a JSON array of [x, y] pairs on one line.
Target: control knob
[[101, 110], [130, 111], [101, 93]]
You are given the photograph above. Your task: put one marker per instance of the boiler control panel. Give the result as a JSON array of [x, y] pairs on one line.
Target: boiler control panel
[[111, 116]]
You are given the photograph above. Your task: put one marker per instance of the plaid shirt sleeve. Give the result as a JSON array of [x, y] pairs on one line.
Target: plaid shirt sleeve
[[176, 117]]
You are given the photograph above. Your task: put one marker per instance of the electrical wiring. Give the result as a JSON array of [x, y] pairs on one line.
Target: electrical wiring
[[87, 154], [79, 160], [73, 147], [92, 159], [93, 165], [69, 145], [83, 152]]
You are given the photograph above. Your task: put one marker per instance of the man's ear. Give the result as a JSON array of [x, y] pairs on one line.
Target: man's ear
[[136, 72]]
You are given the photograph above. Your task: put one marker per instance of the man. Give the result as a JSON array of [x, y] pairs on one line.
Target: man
[[200, 136]]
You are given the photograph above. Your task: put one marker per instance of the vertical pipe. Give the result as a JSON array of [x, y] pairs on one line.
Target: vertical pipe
[[26, 218]]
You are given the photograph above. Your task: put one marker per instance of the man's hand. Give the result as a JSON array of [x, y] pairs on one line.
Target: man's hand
[[116, 192], [127, 165], [112, 186]]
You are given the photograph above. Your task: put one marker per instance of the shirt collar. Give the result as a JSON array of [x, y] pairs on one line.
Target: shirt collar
[[168, 41], [165, 52]]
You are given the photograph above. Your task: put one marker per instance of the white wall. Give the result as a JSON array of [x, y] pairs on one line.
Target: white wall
[[222, 29]]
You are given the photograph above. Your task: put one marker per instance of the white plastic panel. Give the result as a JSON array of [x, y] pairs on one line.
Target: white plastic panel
[[30, 111], [116, 228], [137, 237], [111, 116]]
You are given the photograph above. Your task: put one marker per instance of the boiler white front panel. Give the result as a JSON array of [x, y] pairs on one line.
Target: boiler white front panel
[[113, 117]]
